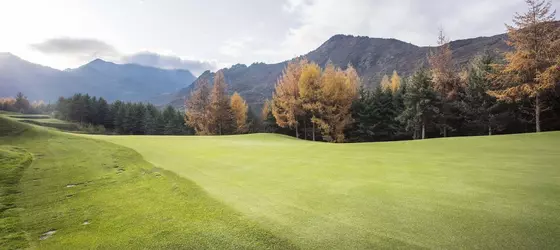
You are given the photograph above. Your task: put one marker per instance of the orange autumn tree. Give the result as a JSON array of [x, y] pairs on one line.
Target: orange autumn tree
[[310, 93], [446, 81], [196, 113], [395, 82], [531, 69], [219, 109], [286, 104], [239, 110], [339, 90]]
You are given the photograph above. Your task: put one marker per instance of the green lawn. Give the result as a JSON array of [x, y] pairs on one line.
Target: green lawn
[[93, 194], [500, 192], [269, 191]]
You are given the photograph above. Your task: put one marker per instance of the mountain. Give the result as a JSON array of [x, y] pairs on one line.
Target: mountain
[[372, 58], [128, 82]]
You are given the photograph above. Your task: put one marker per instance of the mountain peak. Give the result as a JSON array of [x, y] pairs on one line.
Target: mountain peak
[[8, 55], [98, 61]]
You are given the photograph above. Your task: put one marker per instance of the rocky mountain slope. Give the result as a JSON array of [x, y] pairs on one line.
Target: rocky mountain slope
[[372, 57]]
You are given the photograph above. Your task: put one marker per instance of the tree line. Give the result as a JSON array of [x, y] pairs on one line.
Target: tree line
[[210, 111], [493, 94], [119, 117], [22, 105]]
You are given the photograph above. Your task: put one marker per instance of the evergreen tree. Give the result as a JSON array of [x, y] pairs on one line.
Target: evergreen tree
[[152, 121], [22, 104], [421, 104], [103, 113], [364, 117], [477, 106], [445, 80], [268, 120]]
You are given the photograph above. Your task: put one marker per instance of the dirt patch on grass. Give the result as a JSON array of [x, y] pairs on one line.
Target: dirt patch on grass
[[47, 234]]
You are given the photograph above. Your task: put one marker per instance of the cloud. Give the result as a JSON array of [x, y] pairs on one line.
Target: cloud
[[152, 59], [412, 21], [77, 47], [235, 47]]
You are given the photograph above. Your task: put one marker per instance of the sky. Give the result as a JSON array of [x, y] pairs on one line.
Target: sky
[[211, 34]]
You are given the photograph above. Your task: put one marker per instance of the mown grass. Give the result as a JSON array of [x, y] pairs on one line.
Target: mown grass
[[13, 161], [499, 192], [93, 194]]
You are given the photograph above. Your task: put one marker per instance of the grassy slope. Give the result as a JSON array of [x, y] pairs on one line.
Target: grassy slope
[[13, 161], [127, 202], [497, 192]]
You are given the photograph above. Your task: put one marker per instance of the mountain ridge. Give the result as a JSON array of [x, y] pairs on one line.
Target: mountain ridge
[[113, 81], [372, 58]]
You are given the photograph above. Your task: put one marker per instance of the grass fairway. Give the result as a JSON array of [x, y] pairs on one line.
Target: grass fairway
[[62, 191], [500, 192]]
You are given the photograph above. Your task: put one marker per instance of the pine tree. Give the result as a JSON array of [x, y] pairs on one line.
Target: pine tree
[[152, 121], [385, 113], [531, 68], [103, 112], [364, 116], [286, 104], [197, 111], [268, 121], [169, 120], [22, 104], [421, 102], [239, 110], [220, 111], [477, 106]]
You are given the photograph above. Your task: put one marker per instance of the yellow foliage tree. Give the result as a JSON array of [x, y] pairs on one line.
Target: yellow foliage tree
[[532, 68], [385, 83], [310, 92], [339, 89], [286, 108], [239, 109], [395, 82], [196, 113]]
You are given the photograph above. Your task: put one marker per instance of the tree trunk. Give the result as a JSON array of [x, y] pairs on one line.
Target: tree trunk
[[297, 133], [538, 113], [313, 131], [414, 135], [489, 130], [423, 131], [445, 129], [305, 128]]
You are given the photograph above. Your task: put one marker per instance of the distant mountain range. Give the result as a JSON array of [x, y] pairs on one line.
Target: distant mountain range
[[372, 57], [128, 82]]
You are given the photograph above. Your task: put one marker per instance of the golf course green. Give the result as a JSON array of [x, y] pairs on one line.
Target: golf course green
[[266, 191]]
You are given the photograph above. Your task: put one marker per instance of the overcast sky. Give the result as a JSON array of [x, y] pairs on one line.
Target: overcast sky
[[210, 34]]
